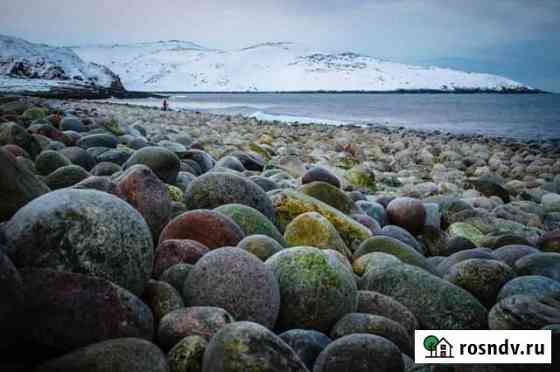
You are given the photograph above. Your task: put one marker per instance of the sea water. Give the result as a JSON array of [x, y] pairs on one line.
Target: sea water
[[521, 116]]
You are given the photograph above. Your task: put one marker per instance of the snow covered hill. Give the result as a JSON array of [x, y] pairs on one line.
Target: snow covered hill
[[179, 66], [39, 69]]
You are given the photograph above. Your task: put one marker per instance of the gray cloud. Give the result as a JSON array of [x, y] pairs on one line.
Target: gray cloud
[[403, 30]]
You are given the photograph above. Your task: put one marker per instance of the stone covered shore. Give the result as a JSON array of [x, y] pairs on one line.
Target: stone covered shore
[[133, 239]]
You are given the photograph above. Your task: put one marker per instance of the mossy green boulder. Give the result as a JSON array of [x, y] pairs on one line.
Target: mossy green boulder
[[481, 277], [466, 231], [261, 150], [389, 245], [290, 204], [176, 194], [312, 229], [360, 176], [261, 246], [330, 195], [316, 289], [249, 347], [251, 221], [436, 303], [35, 113], [215, 189], [361, 264], [113, 126], [187, 355]]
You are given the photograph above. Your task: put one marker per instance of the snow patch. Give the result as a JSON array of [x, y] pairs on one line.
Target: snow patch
[[177, 66]]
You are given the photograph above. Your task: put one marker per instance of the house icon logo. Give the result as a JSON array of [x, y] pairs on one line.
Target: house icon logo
[[438, 348]]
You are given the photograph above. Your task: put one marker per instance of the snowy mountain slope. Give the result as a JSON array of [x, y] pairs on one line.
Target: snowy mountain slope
[[184, 66], [41, 69]]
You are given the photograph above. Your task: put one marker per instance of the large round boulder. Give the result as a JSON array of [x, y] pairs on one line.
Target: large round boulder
[[49, 161], [84, 231], [215, 189], [316, 288], [236, 281], [330, 195], [66, 176], [363, 263], [455, 258], [313, 230], [79, 156], [408, 213], [98, 140], [18, 185], [360, 353], [210, 228], [261, 246], [142, 189], [248, 346], [290, 204], [120, 355], [395, 247], [64, 311], [322, 175], [436, 303], [483, 278], [164, 163]]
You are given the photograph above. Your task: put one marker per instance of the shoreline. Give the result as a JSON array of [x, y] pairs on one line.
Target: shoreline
[[334, 123]]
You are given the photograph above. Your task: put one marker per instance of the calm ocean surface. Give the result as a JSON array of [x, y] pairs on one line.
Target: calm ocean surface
[[517, 116]]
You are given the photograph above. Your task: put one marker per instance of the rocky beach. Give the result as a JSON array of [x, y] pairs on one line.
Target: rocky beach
[[135, 239]]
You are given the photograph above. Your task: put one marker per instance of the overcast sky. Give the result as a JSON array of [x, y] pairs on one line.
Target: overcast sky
[[516, 38]]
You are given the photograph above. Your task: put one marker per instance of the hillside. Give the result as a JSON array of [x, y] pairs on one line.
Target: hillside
[[185, 66], [38, 69]]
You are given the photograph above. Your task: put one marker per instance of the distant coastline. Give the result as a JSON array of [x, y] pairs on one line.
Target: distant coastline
[[399, 91]]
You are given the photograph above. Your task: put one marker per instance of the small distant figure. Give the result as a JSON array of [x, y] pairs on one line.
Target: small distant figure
[[165, 105]]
